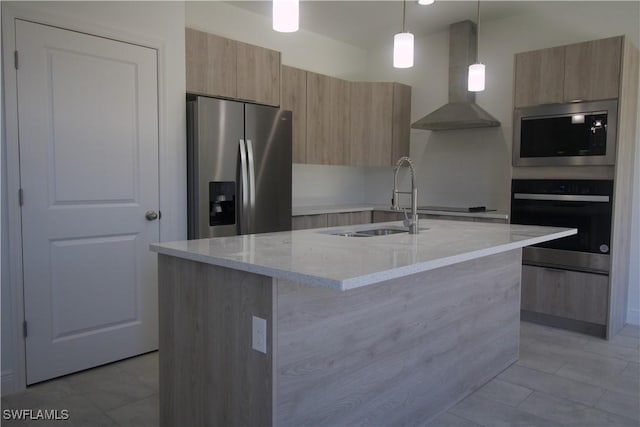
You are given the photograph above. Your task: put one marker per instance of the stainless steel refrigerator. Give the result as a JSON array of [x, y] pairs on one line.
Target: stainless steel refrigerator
[[238, 168]]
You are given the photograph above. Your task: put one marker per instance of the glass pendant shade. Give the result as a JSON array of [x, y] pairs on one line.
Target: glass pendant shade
[[403, 50], [476, 77], [426, 2], [285, 16]]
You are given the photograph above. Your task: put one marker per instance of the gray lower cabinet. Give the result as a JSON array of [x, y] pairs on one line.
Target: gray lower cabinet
[[303, 222], [566, 294], [384, 216], [348, 218]]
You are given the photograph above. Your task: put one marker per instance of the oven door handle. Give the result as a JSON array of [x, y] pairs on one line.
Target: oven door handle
[[561, 197]]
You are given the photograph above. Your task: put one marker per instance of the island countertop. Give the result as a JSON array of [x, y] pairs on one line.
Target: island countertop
[[316, 257]]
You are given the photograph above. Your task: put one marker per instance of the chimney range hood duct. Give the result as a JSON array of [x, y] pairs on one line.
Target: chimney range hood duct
[[461, 112]]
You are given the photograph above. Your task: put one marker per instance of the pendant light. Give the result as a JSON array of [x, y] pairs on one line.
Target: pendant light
[[476, 71], [426, 2], [403, 44], [285, 16]]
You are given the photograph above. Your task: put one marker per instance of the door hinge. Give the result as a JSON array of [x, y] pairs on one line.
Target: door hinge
[[24, 329], [20, 196], [15, 58], [159, 215]]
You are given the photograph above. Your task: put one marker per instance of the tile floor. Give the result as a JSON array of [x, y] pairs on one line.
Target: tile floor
[[562, 378]]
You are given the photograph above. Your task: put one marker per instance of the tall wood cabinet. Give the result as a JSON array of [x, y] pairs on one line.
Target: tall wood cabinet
[[380, 123], [585, 71], [589, 71], [217, 66], [327, 120]]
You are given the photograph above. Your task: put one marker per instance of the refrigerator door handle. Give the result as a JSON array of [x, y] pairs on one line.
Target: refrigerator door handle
[[244, 208], [252, 187]]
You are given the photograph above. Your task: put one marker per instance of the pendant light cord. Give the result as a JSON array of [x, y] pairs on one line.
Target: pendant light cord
[[404, 12], [478, 33]]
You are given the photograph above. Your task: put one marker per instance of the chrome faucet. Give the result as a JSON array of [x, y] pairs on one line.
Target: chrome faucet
[[412, 223]]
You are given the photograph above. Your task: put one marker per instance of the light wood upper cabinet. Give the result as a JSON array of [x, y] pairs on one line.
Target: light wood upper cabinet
[[592, 70], [401, 121], [587, 71], [371, 128], [210, 64], [217, 66], [380, 123], [327, 120], [539, 77], [294, 98], [258, 74]]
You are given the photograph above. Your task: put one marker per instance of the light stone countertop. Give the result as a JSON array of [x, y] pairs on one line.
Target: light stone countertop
[[317, 258], [319, 210]]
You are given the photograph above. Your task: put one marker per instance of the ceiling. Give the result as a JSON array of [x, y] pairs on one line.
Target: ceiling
[[369, 23]]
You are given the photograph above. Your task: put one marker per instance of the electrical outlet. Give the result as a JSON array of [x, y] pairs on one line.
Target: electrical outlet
[[259, 335]]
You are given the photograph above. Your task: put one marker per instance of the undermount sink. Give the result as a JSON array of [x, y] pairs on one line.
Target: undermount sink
[[370, 232], [382, 231]]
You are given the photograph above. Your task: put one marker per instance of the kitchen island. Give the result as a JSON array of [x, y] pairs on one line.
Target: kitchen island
[[383, 330]]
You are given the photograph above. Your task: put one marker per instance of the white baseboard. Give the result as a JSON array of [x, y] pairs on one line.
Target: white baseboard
[[633, 316], [9, 383]]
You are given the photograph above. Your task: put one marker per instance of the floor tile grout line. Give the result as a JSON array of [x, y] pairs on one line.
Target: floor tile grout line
[[602, 389], [465, 418], [615, 414], [609, 357], [132, 402]]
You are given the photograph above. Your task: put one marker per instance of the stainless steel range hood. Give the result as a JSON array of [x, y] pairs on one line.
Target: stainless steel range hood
[[461, 112]]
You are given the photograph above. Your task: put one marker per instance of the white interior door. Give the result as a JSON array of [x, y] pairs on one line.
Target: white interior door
[[88, 126]]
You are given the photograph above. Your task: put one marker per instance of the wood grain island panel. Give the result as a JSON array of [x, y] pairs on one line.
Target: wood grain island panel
[[395, 352]]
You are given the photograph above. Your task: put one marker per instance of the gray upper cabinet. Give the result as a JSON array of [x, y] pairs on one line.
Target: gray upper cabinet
[[217, 66], [592, 70], [210, 64], [294, 98], [335, 122], [327, 120], [380, 123], [586, 71], [401, 121], [539, 77], [258, 74]]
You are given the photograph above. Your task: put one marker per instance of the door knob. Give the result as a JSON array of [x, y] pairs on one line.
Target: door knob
[[151, 215]]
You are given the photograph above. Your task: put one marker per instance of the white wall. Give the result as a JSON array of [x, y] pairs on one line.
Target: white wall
[[155, 24]]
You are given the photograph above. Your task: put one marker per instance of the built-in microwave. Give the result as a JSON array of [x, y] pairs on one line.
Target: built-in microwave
[[579, 133]]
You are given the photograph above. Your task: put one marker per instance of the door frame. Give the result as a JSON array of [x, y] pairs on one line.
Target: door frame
[[16, 380]]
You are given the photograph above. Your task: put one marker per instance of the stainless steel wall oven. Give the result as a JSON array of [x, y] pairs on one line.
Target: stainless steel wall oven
[[582, 204]]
